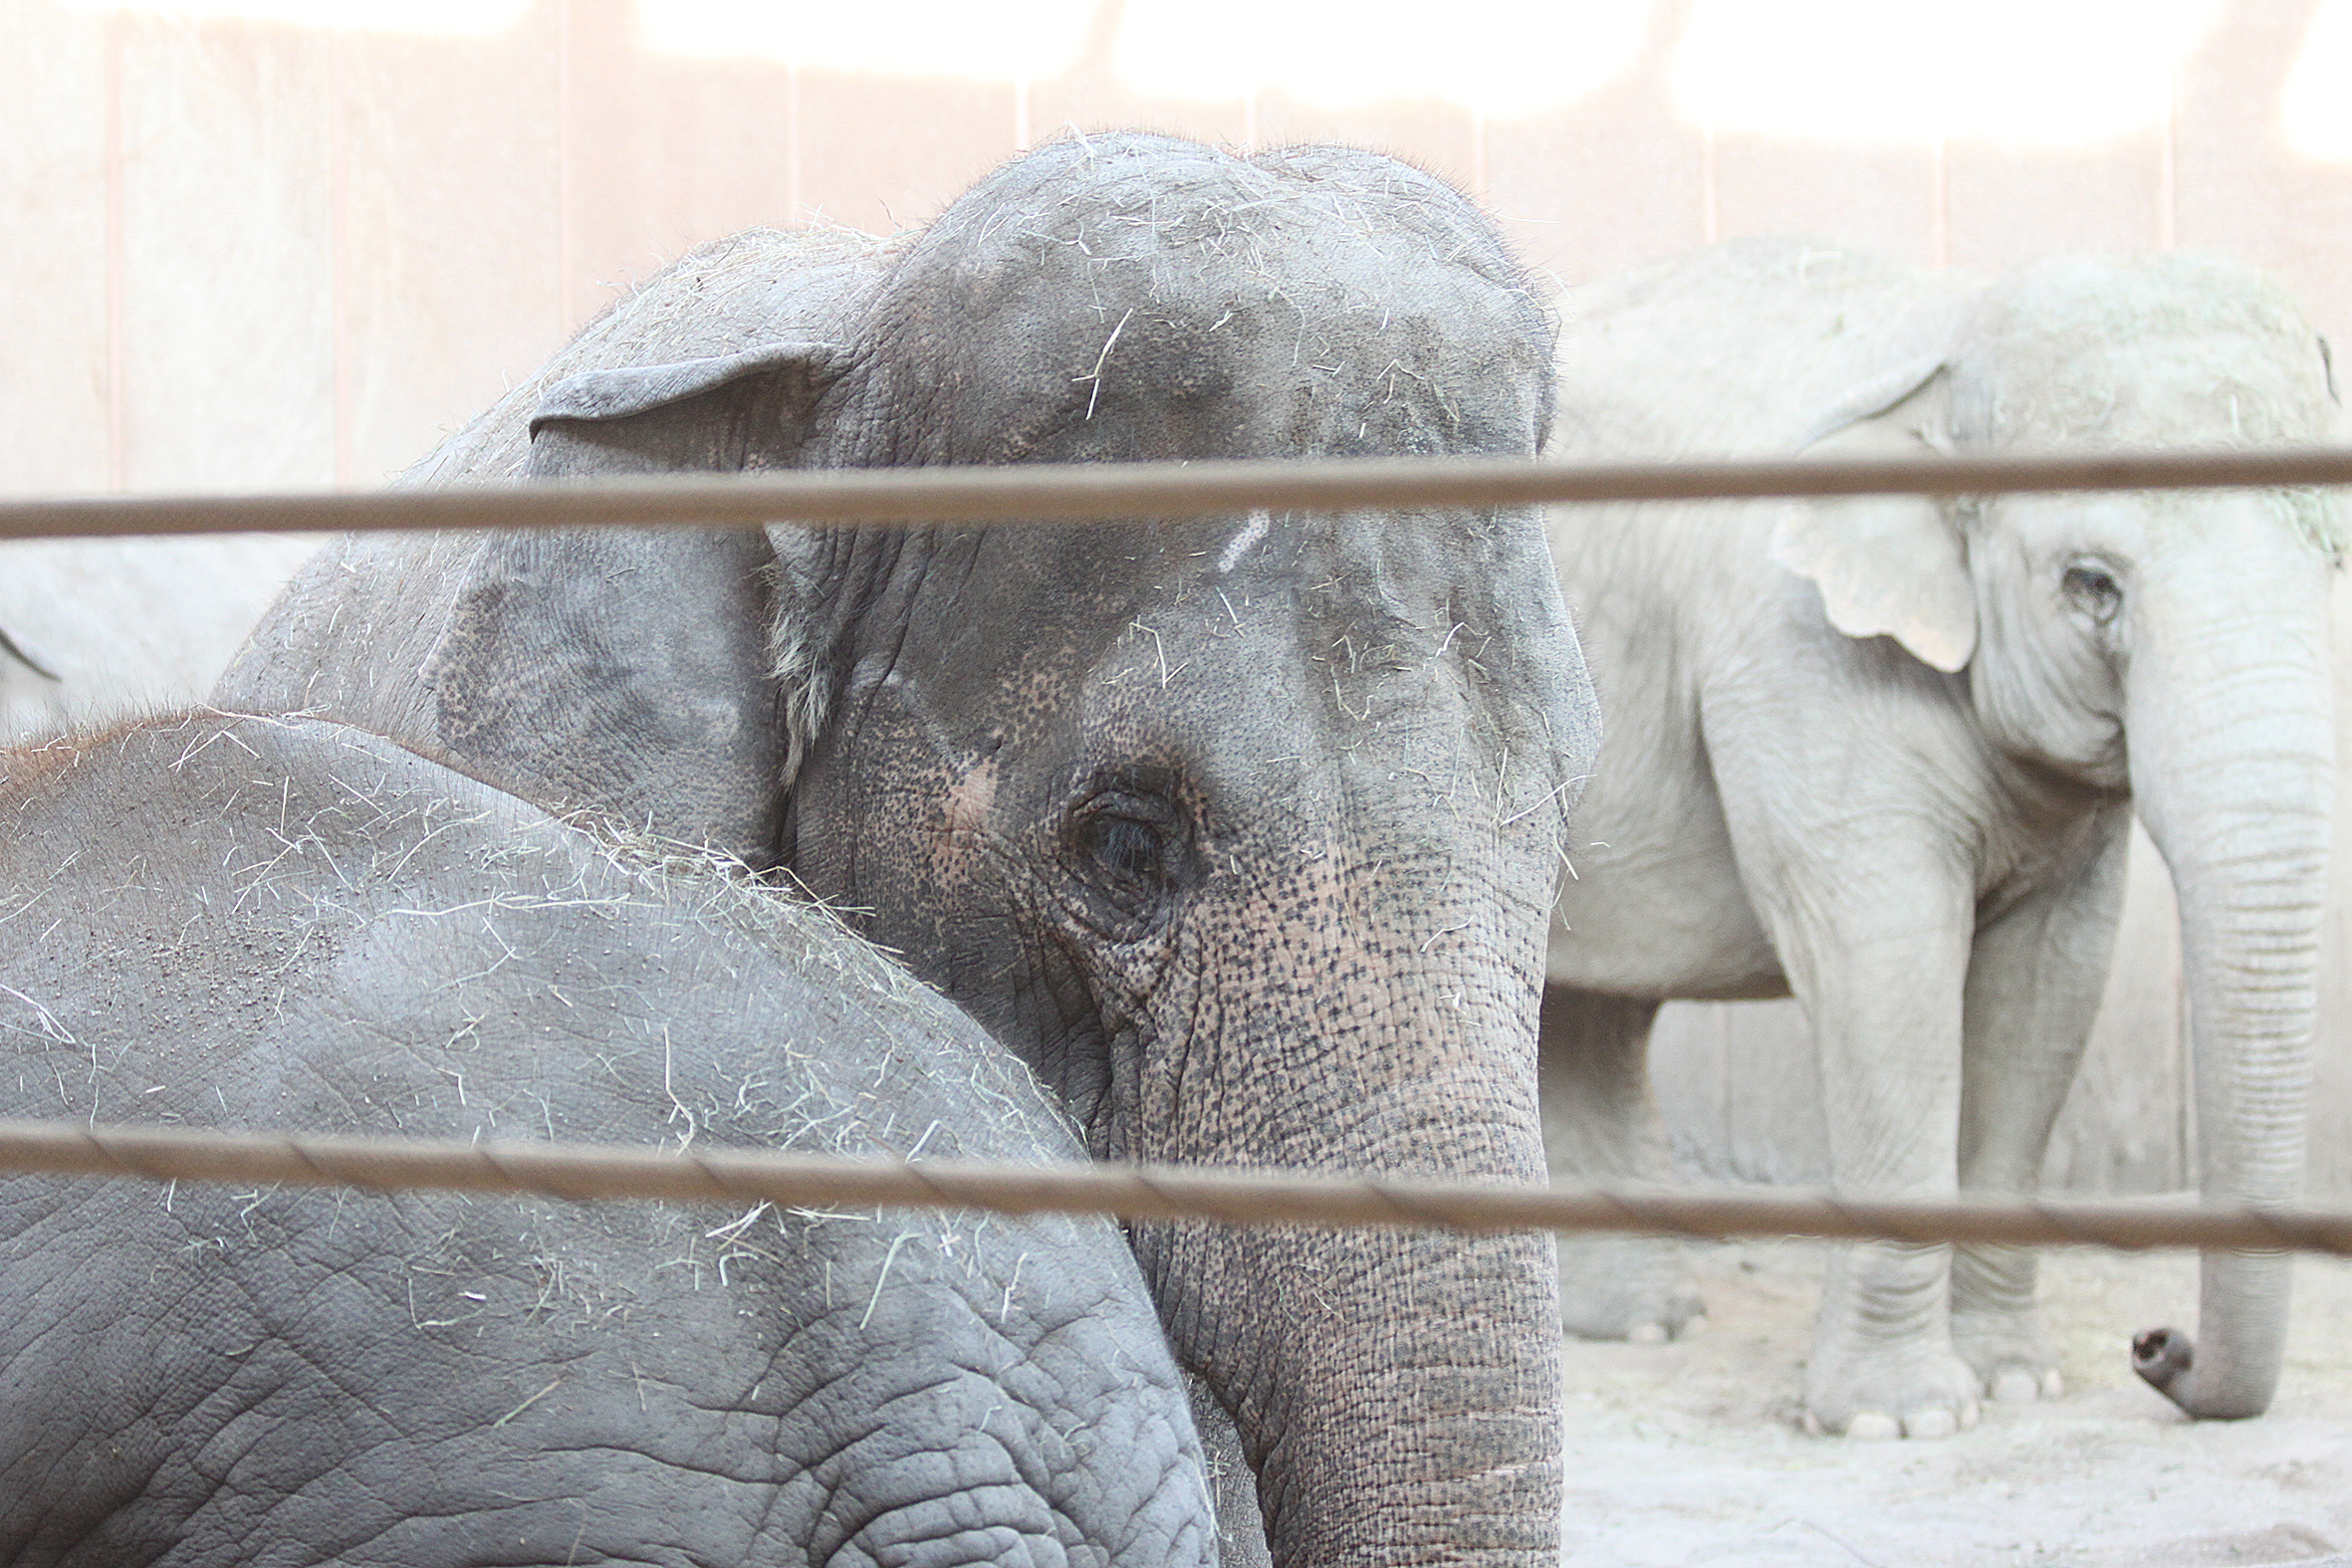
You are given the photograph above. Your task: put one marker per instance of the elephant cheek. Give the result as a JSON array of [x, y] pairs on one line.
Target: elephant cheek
[[965, 811]]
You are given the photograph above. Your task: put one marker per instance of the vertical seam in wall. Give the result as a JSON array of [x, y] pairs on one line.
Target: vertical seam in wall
[[1709, 204], [793, 216], [339, 245], [118, 466], [1940, 203], [2168, 172], [563, 239]]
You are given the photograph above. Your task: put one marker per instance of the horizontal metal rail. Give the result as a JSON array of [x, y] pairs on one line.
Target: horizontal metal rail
[[793, 1180], [1037, 493]]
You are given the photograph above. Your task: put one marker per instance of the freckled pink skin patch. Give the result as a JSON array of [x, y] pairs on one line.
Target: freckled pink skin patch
[[970, 798]]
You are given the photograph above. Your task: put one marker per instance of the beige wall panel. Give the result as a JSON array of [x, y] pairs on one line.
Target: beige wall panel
[[1093, 99], [1880, 198], [1613, 183], [666, 153], [1441, 137], [884, 153], [2005, 206], [228, 342], [453, 245], [2242, 190], [53, 271]]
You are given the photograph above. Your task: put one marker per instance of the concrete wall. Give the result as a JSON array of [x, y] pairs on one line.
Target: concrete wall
[[252, 253]]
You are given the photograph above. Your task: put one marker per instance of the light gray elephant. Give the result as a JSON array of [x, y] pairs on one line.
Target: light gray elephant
[[1883, 755], [293, 924], [1242, 832], [92, 628]]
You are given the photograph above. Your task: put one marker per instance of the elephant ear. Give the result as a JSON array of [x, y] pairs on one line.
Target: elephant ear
[[748, 410], [622, 670], [630, 670], [1887, 565]]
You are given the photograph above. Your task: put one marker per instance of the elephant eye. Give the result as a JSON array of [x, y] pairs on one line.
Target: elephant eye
[[1130, 850], [2093, 590], [1129, 846]]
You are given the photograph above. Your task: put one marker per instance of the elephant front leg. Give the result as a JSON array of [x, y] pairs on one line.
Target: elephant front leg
[[1601, 1126], [2034, 988], [1879, 969]]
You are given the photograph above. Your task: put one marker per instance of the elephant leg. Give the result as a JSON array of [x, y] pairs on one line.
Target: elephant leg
[[2034, 986], [1601, 1126], [1875, 947]]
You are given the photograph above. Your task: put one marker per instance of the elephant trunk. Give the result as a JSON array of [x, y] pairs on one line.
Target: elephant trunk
[[2233, 771], [1409, 1410], [1397, 1391]]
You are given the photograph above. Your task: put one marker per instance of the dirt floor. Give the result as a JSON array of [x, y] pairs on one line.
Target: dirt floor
[[1691, 1453]]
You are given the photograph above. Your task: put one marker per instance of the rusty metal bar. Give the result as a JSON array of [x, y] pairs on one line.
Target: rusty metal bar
[[794, 1180], [1080, 492]]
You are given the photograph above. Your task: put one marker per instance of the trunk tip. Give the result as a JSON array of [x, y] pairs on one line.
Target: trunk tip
[[2161, 1356]]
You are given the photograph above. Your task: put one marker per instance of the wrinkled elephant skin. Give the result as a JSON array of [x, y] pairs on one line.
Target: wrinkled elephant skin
[[1240, 831], [291, 924], [1882, 754]]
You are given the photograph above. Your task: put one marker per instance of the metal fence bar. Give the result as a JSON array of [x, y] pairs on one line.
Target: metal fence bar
[[1070, 492], [792, 1181]]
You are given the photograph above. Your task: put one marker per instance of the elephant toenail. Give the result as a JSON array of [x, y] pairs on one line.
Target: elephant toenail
[[1873, 1427], [1936, 1423], [2016, 1385], [1647, 1334]]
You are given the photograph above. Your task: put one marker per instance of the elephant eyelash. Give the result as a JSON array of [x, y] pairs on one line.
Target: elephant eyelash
[[1132, 846], [1131, 849]]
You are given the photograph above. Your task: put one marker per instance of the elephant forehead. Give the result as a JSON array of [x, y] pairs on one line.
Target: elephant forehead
[[1031, 616], [1167, 300]]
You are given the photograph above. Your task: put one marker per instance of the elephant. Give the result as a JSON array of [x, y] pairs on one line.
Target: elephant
[[288, 923], [1883, 755], [1241, 832], [89, 626]]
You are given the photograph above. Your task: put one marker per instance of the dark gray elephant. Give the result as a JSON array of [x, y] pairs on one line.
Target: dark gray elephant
[[1883, 754], [293, 924], [1240, 831]]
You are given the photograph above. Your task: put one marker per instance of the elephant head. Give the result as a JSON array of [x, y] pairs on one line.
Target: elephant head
[[1240, 831], [2172, 645]]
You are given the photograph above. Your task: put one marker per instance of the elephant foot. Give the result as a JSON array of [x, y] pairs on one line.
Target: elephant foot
[[2013, 1362], [1881, 1395], [1628, 1287]]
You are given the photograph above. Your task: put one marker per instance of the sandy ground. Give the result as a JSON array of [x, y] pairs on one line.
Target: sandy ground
[[1691, 1453]]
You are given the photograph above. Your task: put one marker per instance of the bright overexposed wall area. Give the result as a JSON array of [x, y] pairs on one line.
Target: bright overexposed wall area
[[1491, 57], [1006, 42], [2015, 73], [2315, 109], [425, 18]]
